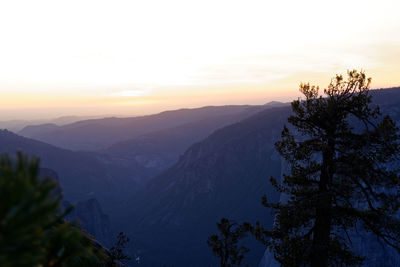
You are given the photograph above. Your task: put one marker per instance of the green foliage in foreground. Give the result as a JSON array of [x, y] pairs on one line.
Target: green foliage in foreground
[[32, 227]]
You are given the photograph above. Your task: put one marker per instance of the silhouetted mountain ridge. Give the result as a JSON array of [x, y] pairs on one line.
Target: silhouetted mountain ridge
[[223, 175], [98, 134], [160, 149]]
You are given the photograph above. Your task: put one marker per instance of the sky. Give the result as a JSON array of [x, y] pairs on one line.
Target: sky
[[138, 57]]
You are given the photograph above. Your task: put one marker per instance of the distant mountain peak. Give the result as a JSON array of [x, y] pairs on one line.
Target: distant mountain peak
[[276, 104]]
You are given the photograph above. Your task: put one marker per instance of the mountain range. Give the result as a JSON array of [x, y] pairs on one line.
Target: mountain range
[[96, 134], [166, 179]]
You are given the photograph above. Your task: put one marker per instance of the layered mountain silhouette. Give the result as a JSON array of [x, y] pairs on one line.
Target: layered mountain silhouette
[[160, 149], [18, 125], [98, 134], [224, 175], [166, 179]]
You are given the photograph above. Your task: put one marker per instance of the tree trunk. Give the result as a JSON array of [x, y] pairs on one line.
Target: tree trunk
[[323, 217], [320, 246]]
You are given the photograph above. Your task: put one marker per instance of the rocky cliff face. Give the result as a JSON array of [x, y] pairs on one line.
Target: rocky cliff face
[[90, 217], [88, 214]]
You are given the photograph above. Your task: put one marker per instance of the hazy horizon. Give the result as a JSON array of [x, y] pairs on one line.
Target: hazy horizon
[[89, 58], [57, 112], [49, 114]]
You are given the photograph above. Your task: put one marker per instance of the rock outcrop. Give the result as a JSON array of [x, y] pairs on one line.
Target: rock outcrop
[[90, 217]]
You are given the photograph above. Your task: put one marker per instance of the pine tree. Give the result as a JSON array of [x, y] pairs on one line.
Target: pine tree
[[344, 173], [33, 231], [225, 245]]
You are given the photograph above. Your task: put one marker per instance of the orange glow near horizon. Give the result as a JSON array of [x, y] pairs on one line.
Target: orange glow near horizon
[[139, 57]]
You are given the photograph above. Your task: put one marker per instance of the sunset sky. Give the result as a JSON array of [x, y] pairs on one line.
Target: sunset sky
[[138, 57]]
